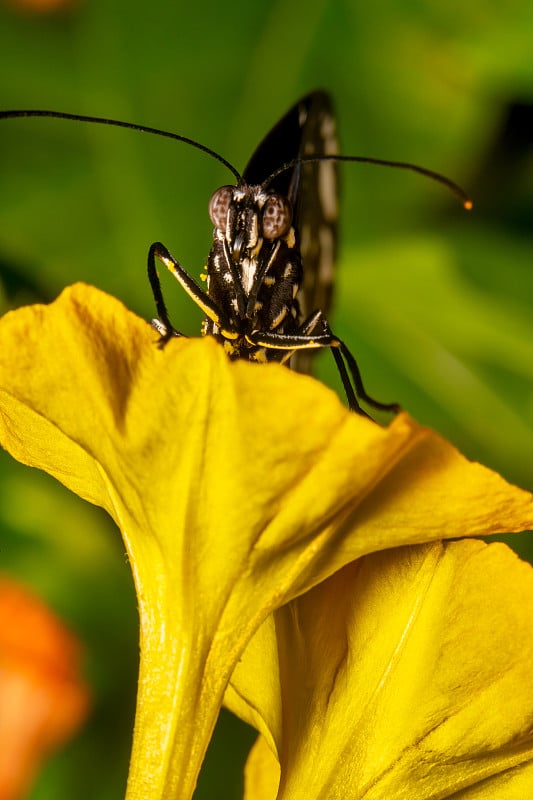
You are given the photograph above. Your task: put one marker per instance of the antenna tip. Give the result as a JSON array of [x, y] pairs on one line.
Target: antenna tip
[[468, 205]]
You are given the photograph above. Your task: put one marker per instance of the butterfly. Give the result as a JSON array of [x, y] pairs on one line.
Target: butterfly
[[269, 272]]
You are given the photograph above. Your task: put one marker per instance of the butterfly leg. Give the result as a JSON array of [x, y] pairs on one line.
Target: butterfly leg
[[306, 328], [305, 340], [342, 354], [163, 325]]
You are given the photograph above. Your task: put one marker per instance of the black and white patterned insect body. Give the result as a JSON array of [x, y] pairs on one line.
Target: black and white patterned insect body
[[254, 269]]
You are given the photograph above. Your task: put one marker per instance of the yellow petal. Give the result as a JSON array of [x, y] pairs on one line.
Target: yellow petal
[[235, 486], [406, 675], [261, 772], [253, 693]]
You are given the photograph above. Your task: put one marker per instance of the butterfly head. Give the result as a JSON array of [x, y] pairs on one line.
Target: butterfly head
[[247, 216]]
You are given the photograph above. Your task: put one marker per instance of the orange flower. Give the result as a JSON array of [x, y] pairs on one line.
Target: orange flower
[[41, 6], [43, 700]]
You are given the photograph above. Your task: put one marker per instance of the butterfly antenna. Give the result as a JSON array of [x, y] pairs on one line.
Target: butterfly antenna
[[119, 124], [428, 173]]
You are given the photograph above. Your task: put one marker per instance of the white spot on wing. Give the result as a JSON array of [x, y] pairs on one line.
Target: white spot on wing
[[327, 254], [305, 237], [327, 191]]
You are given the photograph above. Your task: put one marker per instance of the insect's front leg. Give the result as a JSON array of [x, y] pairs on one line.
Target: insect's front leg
[[162, 323], [202, 300]]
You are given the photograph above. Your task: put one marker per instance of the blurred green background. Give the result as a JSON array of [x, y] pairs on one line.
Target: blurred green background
[[436, 303]]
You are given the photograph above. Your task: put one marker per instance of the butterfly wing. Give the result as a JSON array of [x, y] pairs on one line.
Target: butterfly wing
[[307, 129]]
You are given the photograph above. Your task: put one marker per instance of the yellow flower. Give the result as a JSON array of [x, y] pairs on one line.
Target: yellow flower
[[405, 675], [237, 487]]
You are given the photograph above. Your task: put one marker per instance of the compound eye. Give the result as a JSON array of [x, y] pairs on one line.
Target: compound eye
[[219, 206], [277, 216]]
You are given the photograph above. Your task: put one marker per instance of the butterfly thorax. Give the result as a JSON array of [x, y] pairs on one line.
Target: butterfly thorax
[[254, 269]]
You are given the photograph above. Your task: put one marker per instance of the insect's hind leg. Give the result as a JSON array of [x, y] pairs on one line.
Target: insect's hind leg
[[162, 323]]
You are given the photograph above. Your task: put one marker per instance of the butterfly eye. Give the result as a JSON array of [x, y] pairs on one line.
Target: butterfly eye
[[277, 216], [219, 206]]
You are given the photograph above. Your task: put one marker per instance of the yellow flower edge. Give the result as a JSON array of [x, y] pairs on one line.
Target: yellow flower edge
[[405, 675], [236, 487]]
